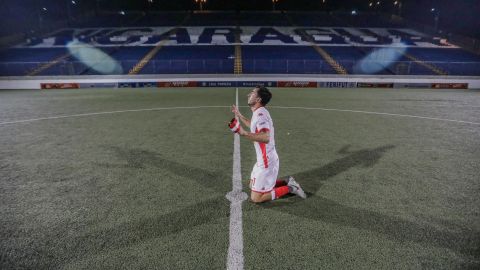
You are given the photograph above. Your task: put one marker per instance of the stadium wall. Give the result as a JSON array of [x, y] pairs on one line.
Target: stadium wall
[[159, 81]]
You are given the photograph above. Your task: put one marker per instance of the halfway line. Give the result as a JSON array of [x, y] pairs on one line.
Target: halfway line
[[236, 197]]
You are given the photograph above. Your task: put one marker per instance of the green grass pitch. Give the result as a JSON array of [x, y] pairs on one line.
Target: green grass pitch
[[145, 189]]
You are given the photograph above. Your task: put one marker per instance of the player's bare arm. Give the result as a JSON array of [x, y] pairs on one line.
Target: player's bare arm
[[240, 116], [261, 137]]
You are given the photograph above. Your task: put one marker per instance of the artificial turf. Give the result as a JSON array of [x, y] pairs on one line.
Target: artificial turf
[[146, 189]]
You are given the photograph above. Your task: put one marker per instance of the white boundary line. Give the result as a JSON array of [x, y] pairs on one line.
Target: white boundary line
[[378, 113], [235, 259], [203, 107], [102, 113]]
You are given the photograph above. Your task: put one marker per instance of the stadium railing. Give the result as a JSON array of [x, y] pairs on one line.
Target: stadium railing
[[250, 66]]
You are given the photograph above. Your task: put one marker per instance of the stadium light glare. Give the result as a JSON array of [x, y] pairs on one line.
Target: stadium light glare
[[378, 3], [354, 12], [200, 3], [432, 10], [379, 59], [273, 4], [122, 12], [395, 3], [44, 9], [94, 58], [371, 4], [74, 3]]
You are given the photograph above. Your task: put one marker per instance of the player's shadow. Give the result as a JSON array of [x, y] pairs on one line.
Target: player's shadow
[[326, 210], [143, 159], [100, 239], [136, 231], [395, 228], [312, 180]]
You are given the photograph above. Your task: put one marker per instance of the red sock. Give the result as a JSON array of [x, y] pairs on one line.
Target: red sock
[[280, 183], [279, 192]]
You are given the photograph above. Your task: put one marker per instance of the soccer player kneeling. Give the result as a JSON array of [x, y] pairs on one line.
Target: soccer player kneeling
[[263, 181]]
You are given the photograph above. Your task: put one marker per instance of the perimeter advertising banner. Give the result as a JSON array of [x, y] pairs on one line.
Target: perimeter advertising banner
[[337, 84], [412, 85], [450, 85], [256, 83], [59, 86], [298, 84], [287, 84], [216, 84], [147, 84], [374, 85], [98, 85], [236, 83], [177, 84], [127, 85]]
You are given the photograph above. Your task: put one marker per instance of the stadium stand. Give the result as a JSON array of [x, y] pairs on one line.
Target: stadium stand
[[192, 60], [265, 42], [283, 59]]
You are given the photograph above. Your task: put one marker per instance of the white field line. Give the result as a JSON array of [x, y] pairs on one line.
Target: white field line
[[202, 107], [235, 259], [102, 113], [379, 113]]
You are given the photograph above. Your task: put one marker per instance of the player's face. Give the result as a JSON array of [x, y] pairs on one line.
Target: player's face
[[253, 97]]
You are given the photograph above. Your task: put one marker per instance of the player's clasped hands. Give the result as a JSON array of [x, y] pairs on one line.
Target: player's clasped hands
[[236, 111], [234, 124]]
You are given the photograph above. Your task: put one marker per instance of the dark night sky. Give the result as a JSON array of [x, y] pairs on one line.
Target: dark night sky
[[457, 15]]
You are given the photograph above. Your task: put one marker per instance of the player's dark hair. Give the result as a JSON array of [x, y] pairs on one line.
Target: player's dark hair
[[264, 94]]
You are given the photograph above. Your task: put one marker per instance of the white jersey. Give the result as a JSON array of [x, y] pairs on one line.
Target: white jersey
[[261, 122]]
